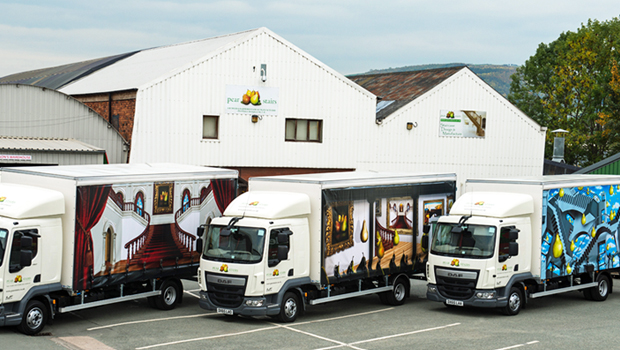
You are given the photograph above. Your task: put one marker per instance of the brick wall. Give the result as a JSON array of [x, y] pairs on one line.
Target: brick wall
[[118, 108]]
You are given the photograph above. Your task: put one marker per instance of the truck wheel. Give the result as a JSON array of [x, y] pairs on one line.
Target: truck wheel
[[515, 302], [600, 292], [399, 293], [34, 319], [289, 308], [170, 294]]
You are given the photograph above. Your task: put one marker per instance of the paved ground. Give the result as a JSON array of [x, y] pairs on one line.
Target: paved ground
[[566, 321]]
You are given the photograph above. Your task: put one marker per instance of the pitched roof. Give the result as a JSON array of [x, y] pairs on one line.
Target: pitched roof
[[59, 76], [401, 87], [148, 65], [603, 163], [125, 71]]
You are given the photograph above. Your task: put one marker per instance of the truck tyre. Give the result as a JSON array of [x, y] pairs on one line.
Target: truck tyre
[[170, 294], [515, 302], [399, 293], [289, 308], [600, 292], [34, 319]]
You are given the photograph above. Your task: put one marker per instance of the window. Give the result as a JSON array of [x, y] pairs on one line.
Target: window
[[139, 203], [304, 130], [16, 248], [109, 245], [210, 124], [186, 200]]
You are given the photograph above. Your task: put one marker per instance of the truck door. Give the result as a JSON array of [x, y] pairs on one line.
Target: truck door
[[18, 278], [507, 264], [280, 268]]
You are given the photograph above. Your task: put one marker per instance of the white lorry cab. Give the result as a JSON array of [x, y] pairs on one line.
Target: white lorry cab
[[506, 241]]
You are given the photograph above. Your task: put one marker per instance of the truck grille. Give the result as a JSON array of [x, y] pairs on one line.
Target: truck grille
[[456, 284], [224, 290]]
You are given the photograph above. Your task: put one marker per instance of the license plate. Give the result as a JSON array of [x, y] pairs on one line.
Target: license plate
[[454, 302], [224, 311]]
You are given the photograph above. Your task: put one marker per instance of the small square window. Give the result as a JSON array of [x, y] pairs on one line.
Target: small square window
[[304, 130], [210, 124]]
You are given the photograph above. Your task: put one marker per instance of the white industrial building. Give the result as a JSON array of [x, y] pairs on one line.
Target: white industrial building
[[185, 103]]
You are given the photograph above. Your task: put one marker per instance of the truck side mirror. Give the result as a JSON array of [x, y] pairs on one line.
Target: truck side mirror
[[25, 258], [26, 243], [283, 237], [426, 228], [200, 231], [513, 234], [199, 245], [282, 252], [425, 242], [513, 248]]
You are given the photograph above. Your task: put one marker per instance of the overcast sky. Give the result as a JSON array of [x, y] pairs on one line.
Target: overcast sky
[[349, 36]]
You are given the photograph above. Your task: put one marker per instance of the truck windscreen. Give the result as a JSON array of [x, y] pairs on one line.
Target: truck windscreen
[[236, 244], [470, 241]]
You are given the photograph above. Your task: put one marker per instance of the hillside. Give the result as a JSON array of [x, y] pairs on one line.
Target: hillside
[[498, 76]]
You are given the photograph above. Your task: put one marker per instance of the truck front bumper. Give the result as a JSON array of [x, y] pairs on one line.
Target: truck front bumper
[[480, 298], [266, 309]]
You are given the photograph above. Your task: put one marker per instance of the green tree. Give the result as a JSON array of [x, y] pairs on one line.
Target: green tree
[[573, 83]]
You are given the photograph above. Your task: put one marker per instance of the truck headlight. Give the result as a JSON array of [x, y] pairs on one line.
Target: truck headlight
[[254, 302], [431, 289], [485, 295]]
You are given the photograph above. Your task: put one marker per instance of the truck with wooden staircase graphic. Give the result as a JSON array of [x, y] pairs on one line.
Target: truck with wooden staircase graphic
[[298, 240], [76, 237]]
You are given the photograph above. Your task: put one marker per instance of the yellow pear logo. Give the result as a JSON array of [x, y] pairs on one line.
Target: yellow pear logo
[[396, 237], [558, 249], [568, 269], [593, 232], [380, 251], [572, 245], [583, 219], [561, 192], [611, 190]]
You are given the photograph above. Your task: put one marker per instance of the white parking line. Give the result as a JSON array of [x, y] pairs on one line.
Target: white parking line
[[519, 345], [352, 345], [147, 321], [206, 338], [275, 326], [340, 344]]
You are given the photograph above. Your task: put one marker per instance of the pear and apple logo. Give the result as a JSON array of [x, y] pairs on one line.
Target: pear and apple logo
[[18, 278], [2, 199], [224, 268]]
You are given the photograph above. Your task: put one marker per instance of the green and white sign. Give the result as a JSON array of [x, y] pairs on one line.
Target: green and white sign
[[457, 123], [243, 99]]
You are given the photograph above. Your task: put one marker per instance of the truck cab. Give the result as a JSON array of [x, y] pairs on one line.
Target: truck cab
[[30, 254], [256, 256], [476, 256]]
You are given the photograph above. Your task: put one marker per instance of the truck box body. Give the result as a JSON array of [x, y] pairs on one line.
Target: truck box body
[[98, 226], [349, 227], [568, 234]]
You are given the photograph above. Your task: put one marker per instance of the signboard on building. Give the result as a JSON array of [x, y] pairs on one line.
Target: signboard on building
[[15, 157], [457, 123], [243, 99]]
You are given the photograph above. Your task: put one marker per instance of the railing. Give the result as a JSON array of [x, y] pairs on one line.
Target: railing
[[185, 238], [387, 237], [137, 243]]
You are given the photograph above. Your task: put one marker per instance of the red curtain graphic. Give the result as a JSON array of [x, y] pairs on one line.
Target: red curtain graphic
[[91, 201], [224, 193]]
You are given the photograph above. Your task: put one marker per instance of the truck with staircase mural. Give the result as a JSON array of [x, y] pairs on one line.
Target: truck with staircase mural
[[298, 240], [76, 237], [506, 241]]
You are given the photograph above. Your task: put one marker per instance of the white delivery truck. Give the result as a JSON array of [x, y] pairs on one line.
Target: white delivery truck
[[75, 237], [309, 239], [509, 240]]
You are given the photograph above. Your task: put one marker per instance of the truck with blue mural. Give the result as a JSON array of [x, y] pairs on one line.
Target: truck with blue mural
[[299, 240], [77, 237], [506, 241]]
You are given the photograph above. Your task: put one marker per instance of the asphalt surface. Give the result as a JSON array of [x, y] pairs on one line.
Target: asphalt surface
[[566, 321]]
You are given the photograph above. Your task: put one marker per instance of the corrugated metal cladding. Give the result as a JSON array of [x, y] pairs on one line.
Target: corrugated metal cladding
[[38, 157], [513, 144], [35, 112], [169, 113]]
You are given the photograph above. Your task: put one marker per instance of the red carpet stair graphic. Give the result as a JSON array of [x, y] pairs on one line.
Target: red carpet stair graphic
[[160, 244]]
